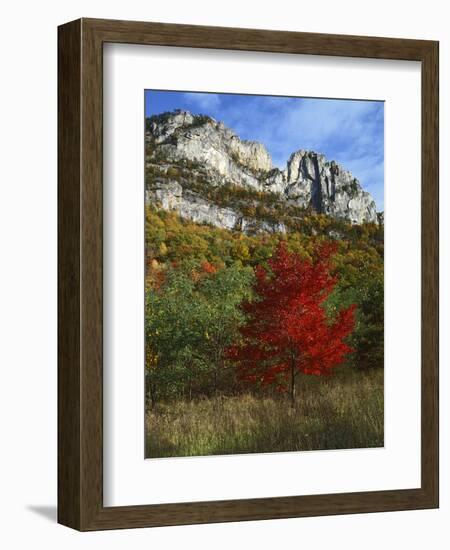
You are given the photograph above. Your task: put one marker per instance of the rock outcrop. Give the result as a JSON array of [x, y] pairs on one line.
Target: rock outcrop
[[180, 143]]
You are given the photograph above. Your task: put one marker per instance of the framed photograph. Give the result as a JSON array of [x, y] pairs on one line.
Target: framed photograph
[[248, 274]]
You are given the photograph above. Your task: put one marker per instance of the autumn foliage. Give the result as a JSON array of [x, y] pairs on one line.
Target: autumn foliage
[[288, 330]]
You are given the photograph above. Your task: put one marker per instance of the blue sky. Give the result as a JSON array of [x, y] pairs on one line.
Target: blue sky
[[350, 132]]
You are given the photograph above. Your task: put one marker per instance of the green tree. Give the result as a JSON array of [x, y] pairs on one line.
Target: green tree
[[191, 319], [170, 336], [367, 339], [221, 317]]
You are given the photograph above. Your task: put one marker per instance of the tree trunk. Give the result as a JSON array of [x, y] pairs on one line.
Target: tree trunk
[[292, 389], [218, 371], [152, 394]]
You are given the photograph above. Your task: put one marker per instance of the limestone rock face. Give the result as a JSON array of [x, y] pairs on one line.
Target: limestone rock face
[[190, 205], [201, 139], [214, 155], [328, 188]]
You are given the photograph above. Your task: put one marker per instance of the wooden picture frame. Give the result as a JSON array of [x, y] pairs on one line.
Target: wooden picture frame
[[80, 271]]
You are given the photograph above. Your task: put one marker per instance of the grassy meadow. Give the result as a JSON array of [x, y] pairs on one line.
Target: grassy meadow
[[343, 411]]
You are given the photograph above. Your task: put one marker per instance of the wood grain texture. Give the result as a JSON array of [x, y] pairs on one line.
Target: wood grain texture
[[80, 323], [430, 272], [69, 247]]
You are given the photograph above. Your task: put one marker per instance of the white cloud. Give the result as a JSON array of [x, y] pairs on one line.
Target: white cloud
[[203, 100]]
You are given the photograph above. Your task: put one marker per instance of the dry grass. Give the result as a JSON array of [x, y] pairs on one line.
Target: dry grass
[[341, 412]]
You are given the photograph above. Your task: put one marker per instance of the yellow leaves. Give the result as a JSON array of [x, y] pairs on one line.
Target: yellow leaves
[[170, 240], [151, 359], [241, 250], [173, 172]]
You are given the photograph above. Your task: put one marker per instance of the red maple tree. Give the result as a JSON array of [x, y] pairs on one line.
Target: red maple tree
[[288, 330]]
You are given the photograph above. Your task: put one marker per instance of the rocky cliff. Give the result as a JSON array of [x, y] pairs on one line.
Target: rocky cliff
[[203, 170]]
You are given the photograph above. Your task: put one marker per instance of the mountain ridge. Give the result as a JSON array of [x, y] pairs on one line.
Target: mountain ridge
[[192, 161]]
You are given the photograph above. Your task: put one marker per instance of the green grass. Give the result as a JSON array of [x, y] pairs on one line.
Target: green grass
[[341, 412]]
